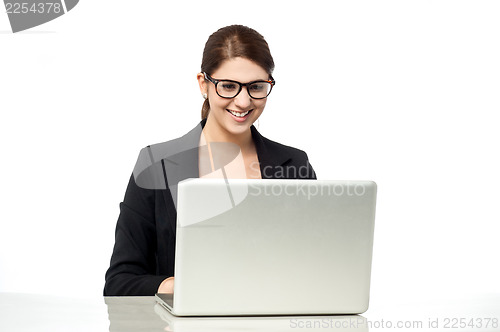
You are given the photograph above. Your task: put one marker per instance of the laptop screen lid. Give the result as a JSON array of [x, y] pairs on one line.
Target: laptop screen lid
[[273, 247]]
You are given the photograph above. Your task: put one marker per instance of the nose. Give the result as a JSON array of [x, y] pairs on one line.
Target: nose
[[243, 99]]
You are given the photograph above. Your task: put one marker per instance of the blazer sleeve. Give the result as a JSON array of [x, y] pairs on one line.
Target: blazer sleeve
[[133, 267]]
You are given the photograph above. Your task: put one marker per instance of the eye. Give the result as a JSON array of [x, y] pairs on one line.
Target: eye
[[258, 87], [228, 86]]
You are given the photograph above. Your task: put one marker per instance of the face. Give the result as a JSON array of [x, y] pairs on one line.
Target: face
[[234, 116]]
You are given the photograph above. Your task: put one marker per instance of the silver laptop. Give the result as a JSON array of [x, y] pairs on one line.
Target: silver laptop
[[272, 247]]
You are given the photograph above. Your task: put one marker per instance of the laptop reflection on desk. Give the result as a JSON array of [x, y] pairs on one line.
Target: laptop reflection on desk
[[349, 323]]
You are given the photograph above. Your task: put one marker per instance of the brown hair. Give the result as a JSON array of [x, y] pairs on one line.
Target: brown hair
[[231, 42]]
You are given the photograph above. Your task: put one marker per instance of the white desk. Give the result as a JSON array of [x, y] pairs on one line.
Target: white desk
[[25, 312]]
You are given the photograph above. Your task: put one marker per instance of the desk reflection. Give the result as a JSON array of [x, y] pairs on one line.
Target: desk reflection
[[143, 313]]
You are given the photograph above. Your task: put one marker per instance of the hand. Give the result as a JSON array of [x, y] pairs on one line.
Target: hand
[[167, 286]]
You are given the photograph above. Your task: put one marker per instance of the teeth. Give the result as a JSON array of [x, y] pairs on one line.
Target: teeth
[[240, 115]]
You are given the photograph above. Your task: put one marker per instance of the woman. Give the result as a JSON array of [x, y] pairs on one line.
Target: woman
[[235, 80]]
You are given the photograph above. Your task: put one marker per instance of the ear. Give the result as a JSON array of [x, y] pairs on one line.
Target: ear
[[202, 83]]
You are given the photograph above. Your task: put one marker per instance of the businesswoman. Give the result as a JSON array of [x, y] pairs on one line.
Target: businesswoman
[[235, 81]]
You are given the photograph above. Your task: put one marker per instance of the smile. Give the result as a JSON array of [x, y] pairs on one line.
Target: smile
[[239, 114]]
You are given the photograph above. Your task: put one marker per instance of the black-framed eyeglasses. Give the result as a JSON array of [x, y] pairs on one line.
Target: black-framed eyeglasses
[[230, 89]]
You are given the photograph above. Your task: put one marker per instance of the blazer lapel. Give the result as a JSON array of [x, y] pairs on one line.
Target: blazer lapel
[[271, 156]]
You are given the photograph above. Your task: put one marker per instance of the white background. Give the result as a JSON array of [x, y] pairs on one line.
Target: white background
[[405, 93]]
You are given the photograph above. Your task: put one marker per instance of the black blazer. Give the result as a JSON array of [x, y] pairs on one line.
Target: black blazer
[[144, 251]]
